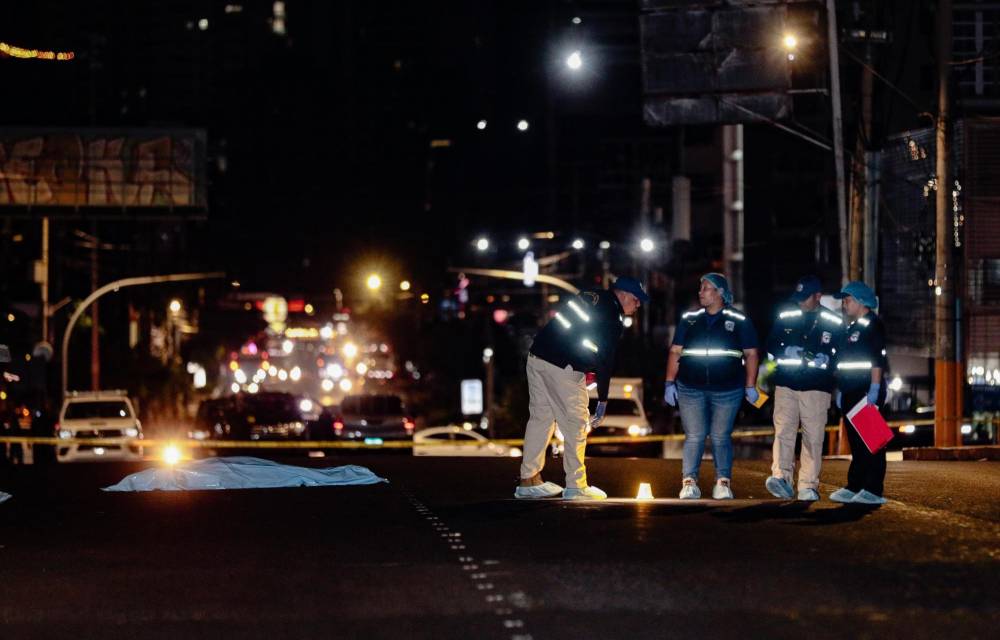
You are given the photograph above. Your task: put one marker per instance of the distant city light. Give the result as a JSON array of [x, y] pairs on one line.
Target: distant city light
[[482, 244], [306, 405], [10, 317], [790, 41], [19, 52], [522, 125], [627, 322], [523, 244], [404, 285], [374, 282], [327, 385], [295, 374], [362, 368], [424, 298], [481, 125], [235, 388], [175, 306], [350, 350], [309, 309], [346, 385], [576, 20], [605, 244], [203, 24], [287, 346], [574, 61], [578, 244], [646, 245]]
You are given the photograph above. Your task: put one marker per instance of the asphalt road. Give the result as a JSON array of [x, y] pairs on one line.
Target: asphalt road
[[442, 551]]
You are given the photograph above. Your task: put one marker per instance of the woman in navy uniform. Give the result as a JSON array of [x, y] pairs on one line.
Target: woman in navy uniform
[[711, 368], [861, 371]]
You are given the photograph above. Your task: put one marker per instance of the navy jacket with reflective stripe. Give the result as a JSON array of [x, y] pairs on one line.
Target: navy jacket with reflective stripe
[[561, 341], [713, 372], [816, 332]]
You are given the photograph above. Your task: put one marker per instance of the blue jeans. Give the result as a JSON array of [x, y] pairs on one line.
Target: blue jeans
[[706, 413]]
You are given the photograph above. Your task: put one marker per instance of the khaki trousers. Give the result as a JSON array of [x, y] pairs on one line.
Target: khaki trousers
[[790, 408], [556, 396]]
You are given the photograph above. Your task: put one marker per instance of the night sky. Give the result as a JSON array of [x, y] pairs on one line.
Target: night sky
[[320, 139]]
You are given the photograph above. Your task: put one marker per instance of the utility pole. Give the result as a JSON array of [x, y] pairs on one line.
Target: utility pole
[[732, 200], [838, 131], [95, 334], [947, 409], [860, 206]]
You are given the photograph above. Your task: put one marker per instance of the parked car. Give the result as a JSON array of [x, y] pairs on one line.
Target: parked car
[[272, 415], [453, 440], [373, 418], [99, 414], [624, 416]]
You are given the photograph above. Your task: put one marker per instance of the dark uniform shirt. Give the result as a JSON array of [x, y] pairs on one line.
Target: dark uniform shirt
[[861, 347], [712, 355], [816, 331], [584, 334]]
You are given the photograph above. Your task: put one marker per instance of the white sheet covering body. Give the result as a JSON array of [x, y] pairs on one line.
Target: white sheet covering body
[[241, 472]]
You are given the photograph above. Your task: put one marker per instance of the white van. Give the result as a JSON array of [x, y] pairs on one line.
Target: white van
[[108, 415]]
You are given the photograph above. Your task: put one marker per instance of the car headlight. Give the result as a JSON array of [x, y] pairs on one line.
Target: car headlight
[[638, 430], [132, 432], [65, 434]]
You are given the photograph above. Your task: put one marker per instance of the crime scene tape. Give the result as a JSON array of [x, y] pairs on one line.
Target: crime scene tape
[[373, 443]]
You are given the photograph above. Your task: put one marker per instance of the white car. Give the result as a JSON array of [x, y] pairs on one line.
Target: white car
[[453, 440], [108, 415]]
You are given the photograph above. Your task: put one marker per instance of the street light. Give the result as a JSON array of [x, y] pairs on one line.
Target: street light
[[574, 61], [482, 244], [481, 125], [404, 285], [374, 282], [790, 42], [175, 306], [523, 244], [522, 125], [578, 244], [646, 245]]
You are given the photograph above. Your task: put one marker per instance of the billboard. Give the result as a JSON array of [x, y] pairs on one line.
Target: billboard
[[116, 168], [719, 61]]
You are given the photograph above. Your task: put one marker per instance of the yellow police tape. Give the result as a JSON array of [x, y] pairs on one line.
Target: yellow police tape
[[373, 443]]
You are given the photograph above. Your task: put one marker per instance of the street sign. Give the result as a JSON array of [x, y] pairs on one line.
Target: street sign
[[472, 397], [530, 269]]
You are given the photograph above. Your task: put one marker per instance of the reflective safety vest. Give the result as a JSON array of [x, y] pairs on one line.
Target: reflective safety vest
[[712, 356], [861, 348], [816, 333]]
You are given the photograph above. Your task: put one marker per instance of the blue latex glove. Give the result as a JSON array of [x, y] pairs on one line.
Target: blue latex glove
[[820, 360], [670, 393], [793, 352], [751, 394], [836, 398], [598, 417], [873, 393]]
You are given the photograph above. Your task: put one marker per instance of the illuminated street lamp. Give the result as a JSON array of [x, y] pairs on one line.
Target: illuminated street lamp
[[481, 125], [522, 125], [790, 43], [175, 306], [523, 244], [404, 285], [574, 61], [482, 244], [578, 244], [646, 245], [374, 282]]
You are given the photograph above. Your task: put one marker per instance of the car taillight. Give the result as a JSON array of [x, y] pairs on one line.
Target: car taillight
[[408, 424], [338, 426]]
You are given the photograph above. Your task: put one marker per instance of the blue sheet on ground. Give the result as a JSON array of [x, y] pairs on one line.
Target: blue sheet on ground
[[241, 472]]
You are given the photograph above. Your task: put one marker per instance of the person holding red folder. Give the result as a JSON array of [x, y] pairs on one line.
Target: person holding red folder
[[861, 366]]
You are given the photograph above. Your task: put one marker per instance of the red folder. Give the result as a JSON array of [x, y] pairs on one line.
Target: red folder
[[870, 425]]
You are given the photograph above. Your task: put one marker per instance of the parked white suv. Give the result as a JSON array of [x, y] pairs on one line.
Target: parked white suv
[[108, 415]]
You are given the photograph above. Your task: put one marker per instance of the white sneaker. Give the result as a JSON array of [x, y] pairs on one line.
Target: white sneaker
[[721, 491], [690, 490], [583, 493], [538, 491]]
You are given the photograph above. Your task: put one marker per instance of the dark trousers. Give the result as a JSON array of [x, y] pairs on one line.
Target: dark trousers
[[867, 470]]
